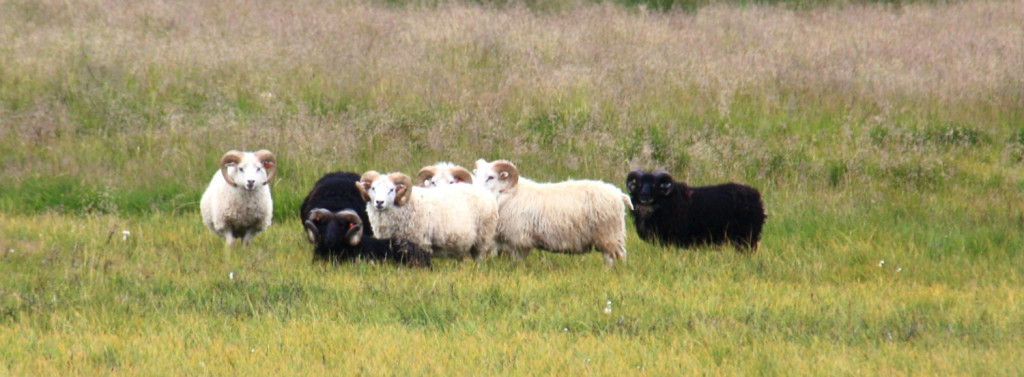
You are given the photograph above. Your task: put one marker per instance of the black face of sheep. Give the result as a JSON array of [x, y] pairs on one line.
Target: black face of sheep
[[333, 233], [645, 187], [339, 236], [672, 212], [335, 192]]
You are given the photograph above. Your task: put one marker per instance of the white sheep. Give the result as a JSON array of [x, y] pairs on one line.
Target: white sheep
[[566, 217], [450, 220], [237, 204], [443, 173]]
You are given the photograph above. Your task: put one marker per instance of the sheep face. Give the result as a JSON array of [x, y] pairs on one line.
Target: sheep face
[[443, 174], [497, 176], [248, 171], [335, 230], [389, 190], [647, 188]]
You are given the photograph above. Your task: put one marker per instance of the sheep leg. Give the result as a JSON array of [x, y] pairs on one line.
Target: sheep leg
[[520, 254], [229, 239], [611, 252], [248, 237]]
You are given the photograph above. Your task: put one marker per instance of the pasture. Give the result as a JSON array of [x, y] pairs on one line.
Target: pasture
[[887, 140]]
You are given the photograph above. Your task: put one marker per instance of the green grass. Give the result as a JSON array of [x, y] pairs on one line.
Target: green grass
[[886, 138]]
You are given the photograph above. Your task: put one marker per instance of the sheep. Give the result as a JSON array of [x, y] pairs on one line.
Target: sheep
[[339, 237], [450, 220], [573, 216], [675, 213], [334, 192], [443, 173], [237, 203]]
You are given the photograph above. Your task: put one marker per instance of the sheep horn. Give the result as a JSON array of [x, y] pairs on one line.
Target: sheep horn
[[364, 183], [462, 174], [509, 170], [425, 174], [404, 187], [317, 214], [232, 158], [269, 162], [312, 233], [355, 233]]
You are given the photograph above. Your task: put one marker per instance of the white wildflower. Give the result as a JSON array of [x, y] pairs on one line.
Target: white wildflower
[[124, 235], [881, 262], [608, 307]]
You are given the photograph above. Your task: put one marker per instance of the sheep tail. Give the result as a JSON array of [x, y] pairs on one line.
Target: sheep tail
[[629, 203]]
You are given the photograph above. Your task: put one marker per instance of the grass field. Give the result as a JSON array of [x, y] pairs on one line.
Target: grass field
[[886, 139]]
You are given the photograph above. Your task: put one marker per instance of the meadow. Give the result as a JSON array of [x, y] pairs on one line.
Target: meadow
[[887, 140]]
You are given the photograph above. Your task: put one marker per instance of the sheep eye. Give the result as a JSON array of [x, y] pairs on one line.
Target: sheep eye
[[241, 170], [665, 185]]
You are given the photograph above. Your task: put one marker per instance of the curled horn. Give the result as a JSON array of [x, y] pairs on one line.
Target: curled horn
[[462, 174], [364, 183], [232, 158], [506, 171], [269, 162], [355, 232], [403, 186], [425, 174], [312, 233]]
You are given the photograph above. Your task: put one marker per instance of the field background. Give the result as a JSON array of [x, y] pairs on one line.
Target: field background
[[886, 138]]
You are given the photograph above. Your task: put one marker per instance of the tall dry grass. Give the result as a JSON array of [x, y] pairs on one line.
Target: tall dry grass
[[359, 84]]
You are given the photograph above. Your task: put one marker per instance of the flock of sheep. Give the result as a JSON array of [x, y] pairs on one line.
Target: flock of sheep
[[452, 212]]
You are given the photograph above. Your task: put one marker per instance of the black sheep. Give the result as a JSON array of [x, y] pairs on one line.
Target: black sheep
[[339, 237], [335, 192], [674, 213]]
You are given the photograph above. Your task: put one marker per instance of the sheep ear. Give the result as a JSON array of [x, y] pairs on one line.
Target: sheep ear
[[479, 163], [401, 195], [230, 159], [404, 192], [633, 179], [462, 175], [269, 162], [312, 233], [425, 174]]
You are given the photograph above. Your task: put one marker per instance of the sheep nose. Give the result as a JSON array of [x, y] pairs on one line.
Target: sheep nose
[[380, 204]]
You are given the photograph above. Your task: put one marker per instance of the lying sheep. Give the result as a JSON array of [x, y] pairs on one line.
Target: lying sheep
[[674, 213], [237, 203], [334, 192], [450, 220], [339, 237], [443, 173], [566, 217]]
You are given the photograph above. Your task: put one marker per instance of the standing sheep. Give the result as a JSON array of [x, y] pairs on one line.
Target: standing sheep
[[449, 220], [675, 213], [565, 217], [237, 203], [339, 237]]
